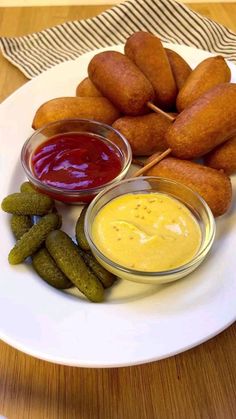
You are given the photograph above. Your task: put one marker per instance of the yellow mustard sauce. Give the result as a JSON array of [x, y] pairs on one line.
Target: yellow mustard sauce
[[147, 232]]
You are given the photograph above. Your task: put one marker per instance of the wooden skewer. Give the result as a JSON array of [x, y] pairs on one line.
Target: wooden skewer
[[153, 156], [152, 163], [158, 110]]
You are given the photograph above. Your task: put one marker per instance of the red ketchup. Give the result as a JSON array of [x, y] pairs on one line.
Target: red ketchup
[[75, 161]]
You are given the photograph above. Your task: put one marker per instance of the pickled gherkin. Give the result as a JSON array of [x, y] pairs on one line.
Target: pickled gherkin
[[27, 187], [107, 278], [65, 253], [79, 231], [47, 269], [27, 203], [20, 224], [33, 239]]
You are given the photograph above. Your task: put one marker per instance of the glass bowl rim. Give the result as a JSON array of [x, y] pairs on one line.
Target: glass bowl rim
[[75, 192], [182, 268]]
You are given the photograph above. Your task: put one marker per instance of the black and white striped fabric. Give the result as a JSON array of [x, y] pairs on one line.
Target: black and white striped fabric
[[171, 21]]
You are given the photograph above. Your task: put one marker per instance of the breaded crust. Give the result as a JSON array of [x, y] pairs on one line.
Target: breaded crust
[[86, 88], [96, 108], [120, 80], [148, 53], [208, 122], [223, 157], [180, 68], [214, 186], [144, 133], [209, 73]]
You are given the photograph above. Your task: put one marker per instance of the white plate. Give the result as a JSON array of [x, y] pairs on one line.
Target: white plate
[[137, 323]]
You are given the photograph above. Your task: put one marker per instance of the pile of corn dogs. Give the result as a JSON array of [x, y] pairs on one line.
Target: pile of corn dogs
[[197, 118]]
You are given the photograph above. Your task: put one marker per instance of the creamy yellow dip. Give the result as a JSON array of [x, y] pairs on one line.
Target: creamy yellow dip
[[147, 232]]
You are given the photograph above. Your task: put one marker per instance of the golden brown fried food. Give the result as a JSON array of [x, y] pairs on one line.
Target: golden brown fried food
[[223, 157], [180, 68], [208, 122], [148, 53], [86, 88], [145, 133], [214, 186], [96, 108], [119, 80], [207, 74]]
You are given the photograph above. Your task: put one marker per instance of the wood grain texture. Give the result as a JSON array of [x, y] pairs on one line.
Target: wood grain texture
[[197, 384]]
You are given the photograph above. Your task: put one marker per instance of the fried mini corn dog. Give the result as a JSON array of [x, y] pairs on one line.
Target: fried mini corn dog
[[214, 186], [145, 133], [86, 88], [148, 53], [207, 74], [208, 122], [180, 68], [223, 157], [120, 80], [96, 108]]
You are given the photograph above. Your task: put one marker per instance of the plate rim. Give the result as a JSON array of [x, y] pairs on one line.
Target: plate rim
[[59, 360]]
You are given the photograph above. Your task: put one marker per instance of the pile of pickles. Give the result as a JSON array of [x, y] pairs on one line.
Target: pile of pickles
[[56, 258]]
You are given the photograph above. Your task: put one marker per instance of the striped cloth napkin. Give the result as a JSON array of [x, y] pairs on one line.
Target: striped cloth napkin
[[171, 21]]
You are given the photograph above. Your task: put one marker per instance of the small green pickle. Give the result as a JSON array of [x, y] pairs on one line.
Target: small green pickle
[[107, 278], [32, 240], [79, 231], [27, 187], [20, 224], [27, 203], [48, 270], [65, 253]]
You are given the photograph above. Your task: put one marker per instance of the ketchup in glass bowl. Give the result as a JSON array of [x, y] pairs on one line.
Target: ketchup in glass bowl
[[73, 160]]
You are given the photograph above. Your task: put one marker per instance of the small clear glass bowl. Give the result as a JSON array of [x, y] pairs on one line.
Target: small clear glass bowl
[[82, 126], [148, 184]]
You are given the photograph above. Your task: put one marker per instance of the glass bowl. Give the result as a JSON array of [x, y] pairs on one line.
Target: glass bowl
[[104, 133], [150, 184]]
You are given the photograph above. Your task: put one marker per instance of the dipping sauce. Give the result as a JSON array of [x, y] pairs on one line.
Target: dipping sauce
[[147, 232], [76, 161]]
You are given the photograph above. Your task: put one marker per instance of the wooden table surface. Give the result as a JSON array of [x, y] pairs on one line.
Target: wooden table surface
[[199, 383]]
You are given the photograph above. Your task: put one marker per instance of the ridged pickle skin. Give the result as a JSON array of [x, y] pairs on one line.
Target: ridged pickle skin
[[27, 203], [31, 241], [79, 230], [107, 278], [27, 187], [65, 253], [48, 270], [20, 224]]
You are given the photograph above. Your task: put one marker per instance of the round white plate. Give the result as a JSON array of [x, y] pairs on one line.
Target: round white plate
[[137, 323]]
